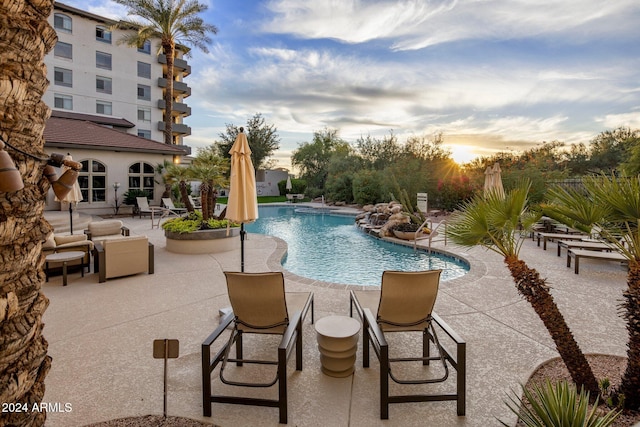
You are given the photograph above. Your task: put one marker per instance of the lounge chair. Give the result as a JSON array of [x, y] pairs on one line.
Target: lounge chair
[[581, 244], [123, 257], [157, 213], [581, 253], [168, 203], [544, 237], [404, 305], [260, 306]]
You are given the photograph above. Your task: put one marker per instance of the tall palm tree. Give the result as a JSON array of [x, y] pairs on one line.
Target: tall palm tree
[[173, 22], [611, 205], [496, 222], [25, 37]]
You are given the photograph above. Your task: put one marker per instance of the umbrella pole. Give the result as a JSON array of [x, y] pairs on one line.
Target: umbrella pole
[[71, 216], [242, 233]]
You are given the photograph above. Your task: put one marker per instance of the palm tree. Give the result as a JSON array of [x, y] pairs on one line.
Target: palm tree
[[211, 170], [25, 37], [173, 22], [497, 222], [181, 175], [160, 169], [611, 205]]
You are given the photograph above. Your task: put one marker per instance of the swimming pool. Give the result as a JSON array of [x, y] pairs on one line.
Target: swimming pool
[[329, 247]]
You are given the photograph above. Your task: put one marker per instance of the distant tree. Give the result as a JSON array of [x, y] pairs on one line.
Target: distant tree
[[378, 153], [312, 158], [173, 22], [368, 187], [263, 140], [577, 159], [160, 169], [211, 170], [181, 175], [610, 149], [339, 184]]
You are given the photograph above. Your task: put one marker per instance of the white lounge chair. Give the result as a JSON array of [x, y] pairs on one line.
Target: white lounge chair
[[168, 203]]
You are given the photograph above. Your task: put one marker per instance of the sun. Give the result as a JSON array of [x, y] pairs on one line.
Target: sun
[[462, 153]]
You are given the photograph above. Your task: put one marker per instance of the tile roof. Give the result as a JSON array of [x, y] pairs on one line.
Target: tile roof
[[101, 120], [72, 133]]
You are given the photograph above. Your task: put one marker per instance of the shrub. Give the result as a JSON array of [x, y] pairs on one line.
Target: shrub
[[558, 405], [194, 222]]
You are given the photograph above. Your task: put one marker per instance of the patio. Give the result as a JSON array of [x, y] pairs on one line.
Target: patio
[[100, 337]]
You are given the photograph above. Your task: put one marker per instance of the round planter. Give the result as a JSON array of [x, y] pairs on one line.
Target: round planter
[[203, 241]]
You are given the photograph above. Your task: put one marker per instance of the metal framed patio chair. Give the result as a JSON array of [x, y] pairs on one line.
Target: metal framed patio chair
[[405, 305], [259, 306]]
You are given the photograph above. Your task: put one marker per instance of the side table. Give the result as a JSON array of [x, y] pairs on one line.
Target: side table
[[64, 258], [337, 341]]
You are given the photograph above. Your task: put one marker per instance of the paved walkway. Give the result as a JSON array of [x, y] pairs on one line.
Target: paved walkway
[[100, 337]]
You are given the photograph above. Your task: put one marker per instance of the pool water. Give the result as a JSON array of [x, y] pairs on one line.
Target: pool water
[[329, 247]]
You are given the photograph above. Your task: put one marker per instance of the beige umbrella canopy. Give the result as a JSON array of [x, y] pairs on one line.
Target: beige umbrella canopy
[[242, 205], [73, 196], [493, 180]]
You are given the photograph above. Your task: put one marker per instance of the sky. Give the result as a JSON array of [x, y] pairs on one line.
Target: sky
[[490, 75]]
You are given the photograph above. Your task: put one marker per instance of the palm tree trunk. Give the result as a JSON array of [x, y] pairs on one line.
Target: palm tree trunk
[[25, 37], [532, 287], [184, 195], [630, 385], [168, 47], [204, 199]]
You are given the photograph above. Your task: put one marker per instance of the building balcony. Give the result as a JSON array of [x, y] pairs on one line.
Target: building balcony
[[179, 108], [178, 64], [180, 88], [177, 129]]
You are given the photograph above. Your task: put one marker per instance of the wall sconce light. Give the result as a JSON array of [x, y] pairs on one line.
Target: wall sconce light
[[10, 179]]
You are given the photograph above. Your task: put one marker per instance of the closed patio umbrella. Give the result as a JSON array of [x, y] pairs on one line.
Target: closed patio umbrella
[[497, 180], [488, 179], [242, 205], [288, 186], [73, 197]]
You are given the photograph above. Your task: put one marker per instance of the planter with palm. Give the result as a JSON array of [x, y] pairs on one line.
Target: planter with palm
[[496, 222], [611, 205]]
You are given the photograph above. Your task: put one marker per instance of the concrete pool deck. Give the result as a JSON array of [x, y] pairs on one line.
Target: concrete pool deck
[[100, 338]]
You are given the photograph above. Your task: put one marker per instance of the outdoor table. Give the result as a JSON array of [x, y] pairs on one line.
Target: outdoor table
[[337, 341], [64, 258]]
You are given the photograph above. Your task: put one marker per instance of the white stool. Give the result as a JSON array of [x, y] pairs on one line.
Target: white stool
[[337, 342]]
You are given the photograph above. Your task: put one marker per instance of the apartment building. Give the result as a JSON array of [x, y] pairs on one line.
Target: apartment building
[[92, 73]]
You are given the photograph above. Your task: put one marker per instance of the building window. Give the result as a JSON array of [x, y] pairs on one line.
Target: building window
[[62, 22], [103, 60], [141, 176], [63, 50], [145, 48], [144, 133], [103, 107], [103, 34], [103, 84], [144, 114], [64, 102], [144, 70], [63, 77], [144, 92], [93, 181]]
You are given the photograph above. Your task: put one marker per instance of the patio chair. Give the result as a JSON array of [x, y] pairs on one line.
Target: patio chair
[[168, 203], [157, 213], [405, 305], [259, 306]]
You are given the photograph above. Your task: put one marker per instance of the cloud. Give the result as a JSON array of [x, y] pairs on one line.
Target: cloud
[[416, 24]]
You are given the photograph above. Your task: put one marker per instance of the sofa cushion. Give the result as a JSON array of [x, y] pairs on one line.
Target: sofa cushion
[[50, 243], [105, 228], [71, 238]]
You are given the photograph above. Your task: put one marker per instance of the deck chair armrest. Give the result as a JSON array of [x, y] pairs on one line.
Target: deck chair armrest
[[224, 323], [447, 329], [290, 332], [374, 329]]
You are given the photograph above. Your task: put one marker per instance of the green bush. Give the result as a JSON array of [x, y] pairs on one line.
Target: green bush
[[558, 405], [367, 187], [129, 197], [193, 222]]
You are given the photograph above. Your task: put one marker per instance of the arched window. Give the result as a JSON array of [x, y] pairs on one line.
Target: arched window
[[93, 181], [62, 22], [141, 177]]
